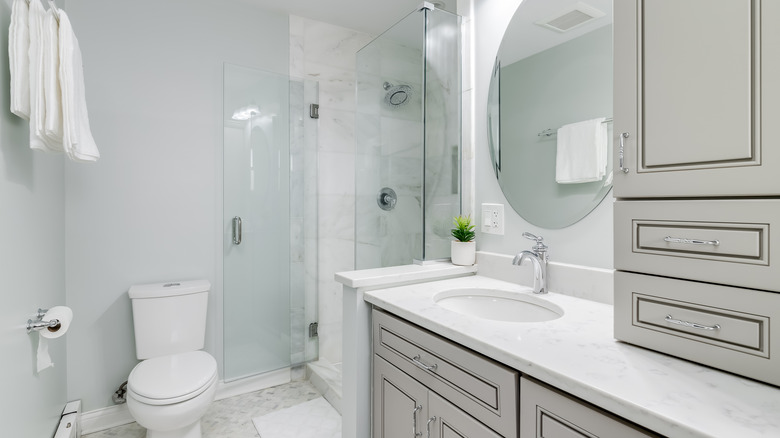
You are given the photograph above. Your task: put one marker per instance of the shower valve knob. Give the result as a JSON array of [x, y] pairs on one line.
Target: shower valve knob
[[386, 199]]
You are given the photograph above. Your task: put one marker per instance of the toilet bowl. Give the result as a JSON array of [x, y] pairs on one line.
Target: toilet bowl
[[168, 395]]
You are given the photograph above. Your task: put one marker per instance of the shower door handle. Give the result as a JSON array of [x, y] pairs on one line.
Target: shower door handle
[[237, 230]]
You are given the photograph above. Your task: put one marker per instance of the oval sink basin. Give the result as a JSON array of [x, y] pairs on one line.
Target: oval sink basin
[[498, 305]]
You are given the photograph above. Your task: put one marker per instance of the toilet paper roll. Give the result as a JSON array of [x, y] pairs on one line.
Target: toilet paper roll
[[64, 315]]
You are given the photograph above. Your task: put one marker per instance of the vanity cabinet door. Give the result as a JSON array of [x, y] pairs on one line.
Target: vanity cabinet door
[[400, 403], [447, 421], [548, 413], [698, 94]]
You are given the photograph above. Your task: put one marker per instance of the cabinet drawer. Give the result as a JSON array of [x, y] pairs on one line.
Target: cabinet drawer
[[546, 412], [480, 386], [719, 241], [720, 326]]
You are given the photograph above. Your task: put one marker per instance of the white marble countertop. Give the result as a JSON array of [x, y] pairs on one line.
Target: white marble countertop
[[395, 275], [578, 354]]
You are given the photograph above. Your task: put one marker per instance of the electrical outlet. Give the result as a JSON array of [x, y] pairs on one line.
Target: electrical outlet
[[493, 219]]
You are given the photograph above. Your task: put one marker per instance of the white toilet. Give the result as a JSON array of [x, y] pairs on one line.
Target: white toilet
[[171, 389]]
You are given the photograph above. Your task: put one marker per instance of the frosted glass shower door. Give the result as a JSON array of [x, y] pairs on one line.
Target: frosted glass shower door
[[264, 318]]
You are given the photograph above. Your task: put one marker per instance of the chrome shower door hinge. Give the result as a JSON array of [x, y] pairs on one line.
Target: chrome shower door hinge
[[313, 330], [314, 111]]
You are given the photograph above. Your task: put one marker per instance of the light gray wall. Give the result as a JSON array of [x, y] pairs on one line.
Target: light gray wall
[[150, 209], [32, 269], [588, 242]]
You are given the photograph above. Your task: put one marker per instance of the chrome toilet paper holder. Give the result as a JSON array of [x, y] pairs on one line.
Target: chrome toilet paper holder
[[40, 324]]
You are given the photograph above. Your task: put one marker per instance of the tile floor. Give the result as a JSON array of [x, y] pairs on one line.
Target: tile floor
[[312, 419], [232, 417]]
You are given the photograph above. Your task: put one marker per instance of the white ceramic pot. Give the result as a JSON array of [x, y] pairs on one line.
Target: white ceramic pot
[[463, 253]]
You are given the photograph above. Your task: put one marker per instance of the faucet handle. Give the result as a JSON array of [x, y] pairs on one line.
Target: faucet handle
[[530, 236], [538, 239]]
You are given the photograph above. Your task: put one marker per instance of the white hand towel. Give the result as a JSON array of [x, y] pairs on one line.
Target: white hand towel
[[52, 128], [37, 96], [582, 152], [77, 136], [19, 63]]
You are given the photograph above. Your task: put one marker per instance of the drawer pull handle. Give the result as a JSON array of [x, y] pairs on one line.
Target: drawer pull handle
[[414, 420], [431, 368], [671, 320], [671, 239], [623, 137], [428, 425]]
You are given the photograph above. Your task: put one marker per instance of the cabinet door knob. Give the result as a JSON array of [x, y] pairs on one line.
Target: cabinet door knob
[[623, 137]]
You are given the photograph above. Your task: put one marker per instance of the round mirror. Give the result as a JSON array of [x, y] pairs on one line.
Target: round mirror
[[550, 110]]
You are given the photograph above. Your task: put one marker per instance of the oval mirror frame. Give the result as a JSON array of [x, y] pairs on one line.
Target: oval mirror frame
[[565, 80]]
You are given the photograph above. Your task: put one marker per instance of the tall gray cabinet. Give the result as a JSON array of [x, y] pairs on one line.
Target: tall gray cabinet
[[697, 105]]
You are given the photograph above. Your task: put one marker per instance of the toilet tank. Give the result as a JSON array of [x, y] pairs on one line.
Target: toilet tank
[[169, 318]]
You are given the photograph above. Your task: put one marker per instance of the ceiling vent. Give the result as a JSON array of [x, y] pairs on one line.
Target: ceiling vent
[[571, 17]]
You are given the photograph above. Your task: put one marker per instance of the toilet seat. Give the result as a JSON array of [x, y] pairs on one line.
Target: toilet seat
[[172, 379]]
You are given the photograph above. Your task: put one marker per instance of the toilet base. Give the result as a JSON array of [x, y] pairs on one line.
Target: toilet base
[[191, 431]]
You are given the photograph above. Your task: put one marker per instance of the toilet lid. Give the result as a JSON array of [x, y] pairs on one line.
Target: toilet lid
[[173, 376]]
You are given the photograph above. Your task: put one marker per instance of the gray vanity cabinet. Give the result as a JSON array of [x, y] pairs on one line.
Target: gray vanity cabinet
[[697, 91], [546, 412], [427, 386], [419, 376], [697, 99], [403, 407]]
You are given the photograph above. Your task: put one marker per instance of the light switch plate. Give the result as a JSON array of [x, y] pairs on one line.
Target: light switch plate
[[493, 219]]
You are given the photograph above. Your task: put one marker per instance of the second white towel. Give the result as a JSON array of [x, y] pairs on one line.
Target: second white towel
[[582, 152], [77, 136]]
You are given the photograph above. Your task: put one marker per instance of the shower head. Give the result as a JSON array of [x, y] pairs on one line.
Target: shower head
[[397, 95]]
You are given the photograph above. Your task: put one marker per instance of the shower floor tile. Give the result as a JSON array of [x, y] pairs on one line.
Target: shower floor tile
[[232, 417]]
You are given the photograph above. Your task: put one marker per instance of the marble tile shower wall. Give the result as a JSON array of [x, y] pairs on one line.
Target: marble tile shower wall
[[326, 53], [389, 154]]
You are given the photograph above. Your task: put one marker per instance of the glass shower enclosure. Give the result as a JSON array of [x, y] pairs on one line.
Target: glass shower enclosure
[[408, 132], [269, 222]]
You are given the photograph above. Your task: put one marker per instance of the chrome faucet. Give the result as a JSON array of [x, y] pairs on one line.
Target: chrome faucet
[[538, 256]]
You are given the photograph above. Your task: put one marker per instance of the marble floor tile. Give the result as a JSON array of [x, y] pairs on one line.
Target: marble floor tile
[[312, 419], [232, 417]]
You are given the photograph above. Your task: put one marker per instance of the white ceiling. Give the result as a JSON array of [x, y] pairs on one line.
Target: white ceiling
[[370, 16], [524, 38]]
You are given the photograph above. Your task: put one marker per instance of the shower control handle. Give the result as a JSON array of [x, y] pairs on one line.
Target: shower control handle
[[386, 199], [237, 230]]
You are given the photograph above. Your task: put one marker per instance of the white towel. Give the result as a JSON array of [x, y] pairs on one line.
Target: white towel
[[52, 128], [37, 95], [77, 137], [582, 152], [19, 63]]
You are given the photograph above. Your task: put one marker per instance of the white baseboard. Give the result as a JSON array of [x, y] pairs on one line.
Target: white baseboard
[[105, 418], [113, 416]]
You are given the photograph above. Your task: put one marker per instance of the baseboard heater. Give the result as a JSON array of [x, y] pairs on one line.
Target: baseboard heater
[[70, 421]]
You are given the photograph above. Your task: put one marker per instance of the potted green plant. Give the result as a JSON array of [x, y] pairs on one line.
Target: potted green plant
[[463, 248]]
